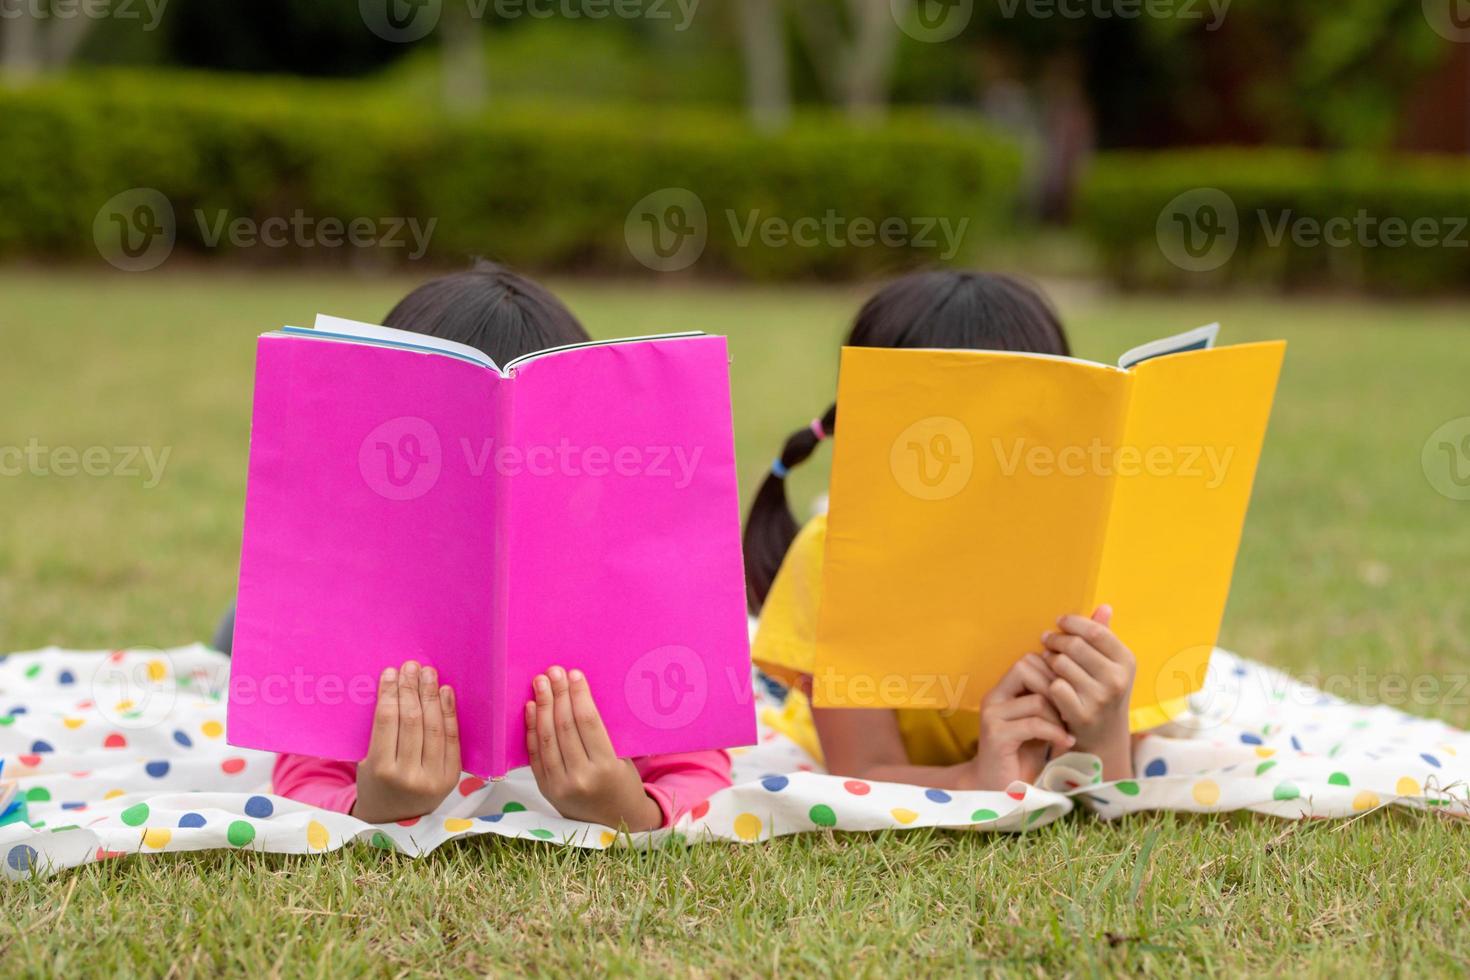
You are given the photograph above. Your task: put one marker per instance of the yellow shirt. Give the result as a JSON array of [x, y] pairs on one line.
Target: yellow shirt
[[785, 644]]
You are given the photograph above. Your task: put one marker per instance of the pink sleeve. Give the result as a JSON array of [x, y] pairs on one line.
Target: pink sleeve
[[319, 782], [679, 783]]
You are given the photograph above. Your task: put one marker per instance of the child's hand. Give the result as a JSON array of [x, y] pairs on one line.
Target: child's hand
[[573, 759], [1018, 725], [413, 759], [1094, 682]]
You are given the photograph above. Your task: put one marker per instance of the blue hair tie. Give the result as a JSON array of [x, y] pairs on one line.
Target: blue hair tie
[[779, 469]]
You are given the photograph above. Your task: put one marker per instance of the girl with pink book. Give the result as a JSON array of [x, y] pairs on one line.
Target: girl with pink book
[[413, 759]]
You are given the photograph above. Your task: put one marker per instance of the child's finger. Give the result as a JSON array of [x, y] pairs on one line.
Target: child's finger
[[1027, 706], [433, 750], [383, 746], [533, 742], [1083, 653], [568, 739], [1098, 635], [450, 711], [1086, 686], [1103, 615], [1036, 675], [589, 720], [1045, 731], [551, 761], [410, 716], [1068, 702]]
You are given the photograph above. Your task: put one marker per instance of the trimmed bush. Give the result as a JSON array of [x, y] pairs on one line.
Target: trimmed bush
[[1303, 220], [539, 185]]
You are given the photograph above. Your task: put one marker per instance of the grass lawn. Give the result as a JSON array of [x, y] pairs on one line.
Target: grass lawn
[[1353, 569]]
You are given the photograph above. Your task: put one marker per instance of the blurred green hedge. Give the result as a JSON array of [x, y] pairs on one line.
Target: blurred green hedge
[[538, 185], [1304, 220]]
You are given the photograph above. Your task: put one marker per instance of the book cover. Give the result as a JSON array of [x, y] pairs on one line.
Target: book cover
[[578, 507], [977, 495]]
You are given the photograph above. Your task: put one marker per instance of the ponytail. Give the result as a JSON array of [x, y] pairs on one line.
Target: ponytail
[[769, 527]]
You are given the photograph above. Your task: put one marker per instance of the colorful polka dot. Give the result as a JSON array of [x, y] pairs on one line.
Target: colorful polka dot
[[212, 729], [240, 832], [1128, 788], [183, 739], [1429, 759], [1265, 753], [1365, 800], [699, 811], [190, 821], [1156, 767], [1285, 791], [232, 766], [135, 815], [513, 807], [1206, 792], [115, 741], [157, 670], [1265, 767], [33, 671], [822, 815], [857, 787], [774, 784], [259, 807], [542, 833], [1250, 739], [38, 794], [937, 796], [1339, 779], [1408, 786], [491, 818], [981, 816], [157, 837], [470, 784], [747, 826], [30, 761], [158, 768], [457, 824], [22, 857], [66, 678], [113, 794], [607, 838], [383, 841], [316, 836], [73, 723], [903, 815]]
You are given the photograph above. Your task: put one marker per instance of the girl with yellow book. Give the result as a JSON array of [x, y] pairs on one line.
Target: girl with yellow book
[[1070, 693]]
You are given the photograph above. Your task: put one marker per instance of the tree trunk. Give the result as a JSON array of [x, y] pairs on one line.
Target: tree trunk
[[767, 74], [21, 54], [466, 87], [869, 65]]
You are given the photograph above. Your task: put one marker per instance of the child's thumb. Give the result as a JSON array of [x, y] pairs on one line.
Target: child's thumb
[[1103, 615]]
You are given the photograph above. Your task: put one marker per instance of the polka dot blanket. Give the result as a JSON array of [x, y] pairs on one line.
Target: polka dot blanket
[[125, 753]]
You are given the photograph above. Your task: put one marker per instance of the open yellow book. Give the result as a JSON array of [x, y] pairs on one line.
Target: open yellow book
[[976, 496]]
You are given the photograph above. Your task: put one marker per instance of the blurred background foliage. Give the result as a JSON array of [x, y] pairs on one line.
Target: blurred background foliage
[[759, 82]]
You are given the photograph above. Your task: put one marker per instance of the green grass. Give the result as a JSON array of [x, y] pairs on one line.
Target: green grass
[[1353, 567]]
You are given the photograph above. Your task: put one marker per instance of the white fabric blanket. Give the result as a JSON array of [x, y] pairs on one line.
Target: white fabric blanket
[[124, 752]]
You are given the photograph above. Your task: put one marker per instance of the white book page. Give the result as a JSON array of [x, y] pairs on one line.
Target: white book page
[[599, 343], [1200, 338], [388, 335]]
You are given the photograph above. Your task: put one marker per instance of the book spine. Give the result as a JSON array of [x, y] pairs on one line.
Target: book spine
[[504, 712]]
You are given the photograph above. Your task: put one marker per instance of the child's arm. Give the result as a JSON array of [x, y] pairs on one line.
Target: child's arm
[[679, 783], [326, 783], [573, 759], [1094, 683], [1016, 728]]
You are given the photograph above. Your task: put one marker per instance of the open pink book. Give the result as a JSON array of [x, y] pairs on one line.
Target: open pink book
[[409, 499]]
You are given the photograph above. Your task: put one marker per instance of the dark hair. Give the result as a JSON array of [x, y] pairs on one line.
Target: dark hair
[[940, 309], [489, 307]]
